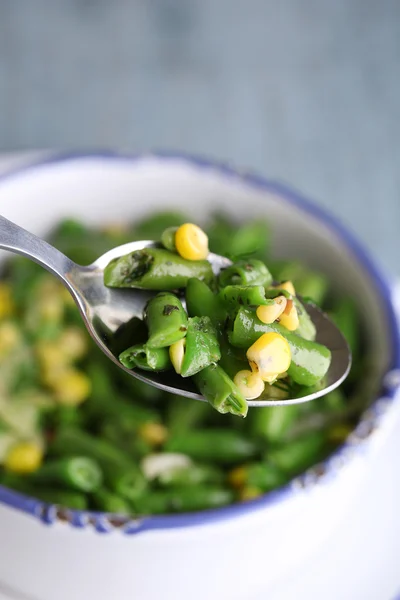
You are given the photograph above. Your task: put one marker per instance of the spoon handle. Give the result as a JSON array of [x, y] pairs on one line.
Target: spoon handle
[[18, 240]]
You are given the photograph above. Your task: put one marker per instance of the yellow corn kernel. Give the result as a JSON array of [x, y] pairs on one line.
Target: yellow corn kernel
[[249, 493], [10, 337], [290, 318], [191, 242], [24, 457], [268, 314], [176, 354], [287, 286], [71, 387], [6, 302], [237, 477], [73, 343], [52, 360], [249, 383], [269, 356], [154, 434]]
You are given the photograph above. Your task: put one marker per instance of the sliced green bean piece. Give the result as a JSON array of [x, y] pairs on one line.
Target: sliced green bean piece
[[195, 474], [272, 423], [155, 269], [109, 502], [345, 316], [245, 272], [221, 446], [67, 498], [146, 358], [264, 476], [184, 499], [241, 295], [168, 238], [201, 348], [310, 360], [78, 473], [202, 302], [220, 391], [183, 414], [296, 456], [166, 320]]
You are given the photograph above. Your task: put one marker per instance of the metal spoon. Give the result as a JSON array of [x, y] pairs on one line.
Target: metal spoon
[[103, 309]]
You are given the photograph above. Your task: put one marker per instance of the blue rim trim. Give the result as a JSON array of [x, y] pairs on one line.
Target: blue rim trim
[[100, 521]]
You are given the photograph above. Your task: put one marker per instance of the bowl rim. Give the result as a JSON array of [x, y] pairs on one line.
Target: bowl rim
[[104, 522]]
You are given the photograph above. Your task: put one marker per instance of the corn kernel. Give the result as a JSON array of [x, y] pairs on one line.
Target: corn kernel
[[290, 318], [249, 383], [176, 354], [24, 457], [74, 343], [191, 242], [10, 337], [287, 286], [269, 356], [6, 302], [154, 434], [268, 314], [250, 492], [237, 477], [71, 387]]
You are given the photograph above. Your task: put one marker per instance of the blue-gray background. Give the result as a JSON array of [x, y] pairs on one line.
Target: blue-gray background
[[306, 91]]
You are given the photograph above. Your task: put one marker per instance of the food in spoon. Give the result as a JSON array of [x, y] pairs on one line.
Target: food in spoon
[[62, 399], [260, 321]]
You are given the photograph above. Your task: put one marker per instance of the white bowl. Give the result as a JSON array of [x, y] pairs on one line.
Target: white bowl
[[238, 552]]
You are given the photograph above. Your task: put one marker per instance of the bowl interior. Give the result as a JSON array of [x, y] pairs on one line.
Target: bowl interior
[[114, 189]]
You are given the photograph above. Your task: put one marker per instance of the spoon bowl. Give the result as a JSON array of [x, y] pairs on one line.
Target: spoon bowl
[[105, 309]]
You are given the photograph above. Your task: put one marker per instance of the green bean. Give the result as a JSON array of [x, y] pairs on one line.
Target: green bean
[[195, 474], [221, 446], [166, 320], [184, 415], [264, 476], [201, 302], [228, 239], [296, 456], [77, 473], [67, 498], [127, 482], [245, 272], [155, 269], [151, 227], [146, 358], [74, 442], [237, 295], [184, 499], [201, 348], [314, 286], [220, 391], [272, 423], [109, 502], [168, 238], [232, 359], [345, 316], [310, 361]]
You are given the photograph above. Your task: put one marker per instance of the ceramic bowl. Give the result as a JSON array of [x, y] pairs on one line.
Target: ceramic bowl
[[237, 552]]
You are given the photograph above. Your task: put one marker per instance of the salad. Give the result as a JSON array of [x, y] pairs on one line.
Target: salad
[[241, 332], [77, 431]]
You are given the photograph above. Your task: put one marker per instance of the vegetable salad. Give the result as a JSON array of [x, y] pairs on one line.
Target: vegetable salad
[[78, 431], [240, 334]]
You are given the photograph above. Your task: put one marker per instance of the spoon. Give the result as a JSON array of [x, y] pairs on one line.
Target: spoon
[[104, 309]]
